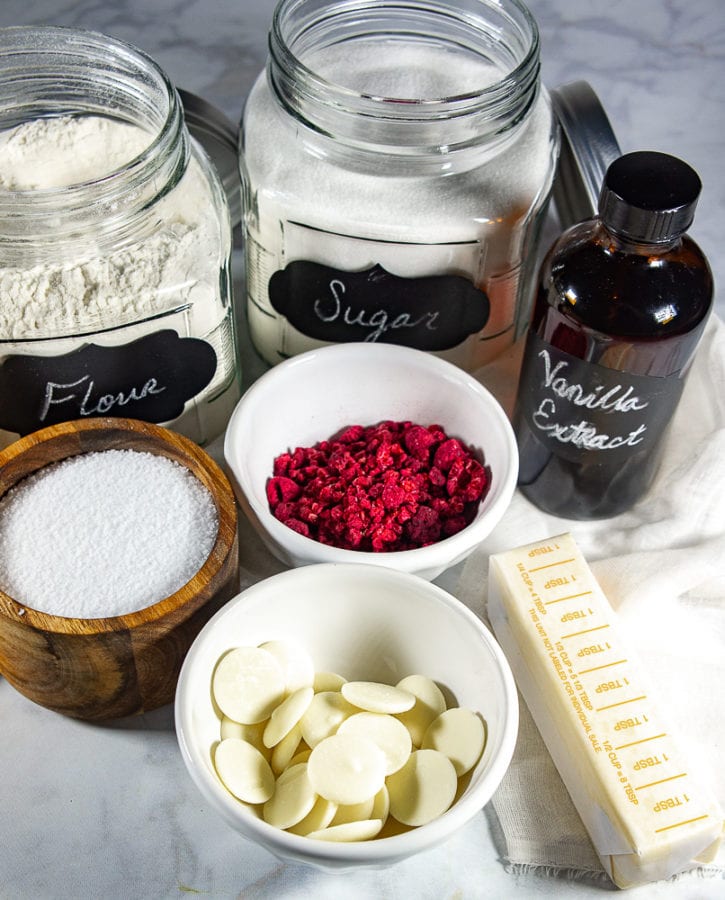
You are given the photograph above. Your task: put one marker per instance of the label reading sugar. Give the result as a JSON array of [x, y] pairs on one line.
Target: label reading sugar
[[429, 313], [150, 379], [575, 407]]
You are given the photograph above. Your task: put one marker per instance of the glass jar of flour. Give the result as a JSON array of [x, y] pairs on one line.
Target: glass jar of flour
[[115, 243], [397, 161]]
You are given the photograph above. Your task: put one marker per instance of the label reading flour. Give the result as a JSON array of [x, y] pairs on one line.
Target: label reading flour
[[149, 379], [575, 407]]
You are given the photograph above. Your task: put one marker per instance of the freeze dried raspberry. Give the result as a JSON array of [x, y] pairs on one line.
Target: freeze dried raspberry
[[424, 526], [454, 525], [282, 464], [418, 441], [281, 489], [350, 435], [384, 537], [284, 511], [379, 488], [448, 506], [438, 433], [447, 453], [299, 527], [466, 478]]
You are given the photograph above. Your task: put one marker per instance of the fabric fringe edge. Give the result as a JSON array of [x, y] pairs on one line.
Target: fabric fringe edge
[[599, 877]]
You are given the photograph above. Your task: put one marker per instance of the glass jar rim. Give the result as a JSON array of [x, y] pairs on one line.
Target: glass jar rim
[[138, 177], [315, 100]]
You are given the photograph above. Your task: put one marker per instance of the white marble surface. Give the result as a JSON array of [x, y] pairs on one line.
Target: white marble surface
[[107, 811]]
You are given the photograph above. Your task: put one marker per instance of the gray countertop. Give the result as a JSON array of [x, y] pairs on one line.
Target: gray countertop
[[108, 811]]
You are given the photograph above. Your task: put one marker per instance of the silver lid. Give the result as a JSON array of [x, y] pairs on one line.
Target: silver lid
[[216, 134], [588, 146]]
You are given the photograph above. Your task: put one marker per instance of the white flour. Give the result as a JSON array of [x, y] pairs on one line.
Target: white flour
[[107, 288], [57, 152], [68, 296]]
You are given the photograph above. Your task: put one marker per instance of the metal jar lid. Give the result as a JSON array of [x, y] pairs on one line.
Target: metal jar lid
[[216, 134], [588, 146]]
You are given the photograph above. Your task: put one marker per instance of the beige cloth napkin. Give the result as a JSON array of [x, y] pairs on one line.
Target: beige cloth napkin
[[662, 566]]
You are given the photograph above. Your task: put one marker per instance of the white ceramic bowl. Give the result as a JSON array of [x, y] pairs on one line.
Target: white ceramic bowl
[[366, 623], [312, 396]]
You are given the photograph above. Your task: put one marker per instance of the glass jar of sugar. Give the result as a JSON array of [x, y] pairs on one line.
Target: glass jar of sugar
[[115, 243], [397, 161]]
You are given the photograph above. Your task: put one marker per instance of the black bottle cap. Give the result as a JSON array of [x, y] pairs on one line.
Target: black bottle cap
[[649, 196]]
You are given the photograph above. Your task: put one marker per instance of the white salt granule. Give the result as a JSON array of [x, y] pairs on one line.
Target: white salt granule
[[104, 534]]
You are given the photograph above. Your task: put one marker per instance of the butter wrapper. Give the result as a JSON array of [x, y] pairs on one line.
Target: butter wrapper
[[647, 813]]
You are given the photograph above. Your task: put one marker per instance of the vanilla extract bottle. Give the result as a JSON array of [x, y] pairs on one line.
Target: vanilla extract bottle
[[622, 302]]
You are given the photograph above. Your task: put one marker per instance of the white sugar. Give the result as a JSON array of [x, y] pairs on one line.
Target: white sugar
[[468, 210], [104, 534], [402, 68]]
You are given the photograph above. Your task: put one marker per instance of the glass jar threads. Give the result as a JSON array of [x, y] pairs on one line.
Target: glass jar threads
[[115, 243], [397, 159]]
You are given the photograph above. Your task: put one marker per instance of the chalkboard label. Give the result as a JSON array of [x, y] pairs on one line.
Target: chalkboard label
[[150, 379], [576, 408], [431, 313]]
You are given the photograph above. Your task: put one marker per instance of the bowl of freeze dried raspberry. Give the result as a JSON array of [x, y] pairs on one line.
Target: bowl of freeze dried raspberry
[[371, 453]]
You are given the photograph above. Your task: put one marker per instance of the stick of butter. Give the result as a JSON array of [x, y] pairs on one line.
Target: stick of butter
[[646, 813]]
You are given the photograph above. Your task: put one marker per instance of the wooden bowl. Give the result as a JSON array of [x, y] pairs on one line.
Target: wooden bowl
[[122, 665]]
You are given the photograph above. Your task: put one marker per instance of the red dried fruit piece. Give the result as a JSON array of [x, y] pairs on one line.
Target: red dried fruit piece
[[454, 525], [281, 489], [418, 441], [438, 433], [448, 506], [467, 479], [299, 527], [447, 453], [284, 511], [393, 496], [282, 464], [424, 526], [384, 536], [350, 435]]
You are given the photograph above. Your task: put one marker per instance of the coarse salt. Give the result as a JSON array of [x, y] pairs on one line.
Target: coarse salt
[[104, 534]]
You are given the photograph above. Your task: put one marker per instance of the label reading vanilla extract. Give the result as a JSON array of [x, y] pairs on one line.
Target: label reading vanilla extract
[[575, 407]]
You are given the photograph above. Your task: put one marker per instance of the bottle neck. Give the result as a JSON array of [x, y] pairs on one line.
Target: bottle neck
[[625, 244], [433, 120], [79, 73]]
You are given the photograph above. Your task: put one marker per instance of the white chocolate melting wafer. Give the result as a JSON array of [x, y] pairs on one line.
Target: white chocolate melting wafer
[[248, 684], [458, 734], [423, 789], [346, 768], [375, 697], [244, 771]]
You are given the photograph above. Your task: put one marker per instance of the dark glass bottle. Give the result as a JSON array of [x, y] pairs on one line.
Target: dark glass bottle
[[622, 303]]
